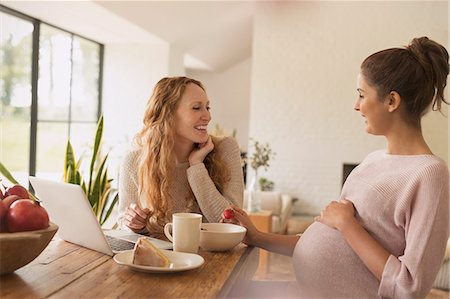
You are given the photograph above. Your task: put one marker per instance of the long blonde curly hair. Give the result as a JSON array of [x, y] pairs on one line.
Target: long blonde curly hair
[[157, 158]]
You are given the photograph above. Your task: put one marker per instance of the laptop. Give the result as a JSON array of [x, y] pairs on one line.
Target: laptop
[[69, 208]]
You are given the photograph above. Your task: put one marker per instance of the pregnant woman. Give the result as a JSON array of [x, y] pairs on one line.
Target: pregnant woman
[[386, 235]]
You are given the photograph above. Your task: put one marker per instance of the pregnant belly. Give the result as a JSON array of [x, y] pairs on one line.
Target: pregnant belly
[[326, 266]]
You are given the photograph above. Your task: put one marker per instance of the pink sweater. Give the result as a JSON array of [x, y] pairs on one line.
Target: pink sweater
[[403, 202]]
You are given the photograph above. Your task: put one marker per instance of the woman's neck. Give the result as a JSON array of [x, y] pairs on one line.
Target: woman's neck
[[407, 140], [182, 150]]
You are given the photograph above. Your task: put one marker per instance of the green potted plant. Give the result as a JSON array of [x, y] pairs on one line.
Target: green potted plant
[[260, 157], [102, 197], [266, 184], [97, 186]]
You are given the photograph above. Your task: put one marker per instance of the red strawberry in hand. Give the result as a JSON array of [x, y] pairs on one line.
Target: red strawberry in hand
[[228, 214]]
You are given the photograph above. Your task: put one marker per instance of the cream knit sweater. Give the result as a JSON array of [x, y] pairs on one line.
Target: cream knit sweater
[[403, 202], [209, 201]]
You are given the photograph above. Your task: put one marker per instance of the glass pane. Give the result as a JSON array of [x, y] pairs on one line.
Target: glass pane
[[51, 147], [15, 94], [86, 66], [54, 74], [82, 140]]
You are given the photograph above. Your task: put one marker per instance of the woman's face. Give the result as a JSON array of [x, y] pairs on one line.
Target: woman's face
[[372, 108], [192, 115]]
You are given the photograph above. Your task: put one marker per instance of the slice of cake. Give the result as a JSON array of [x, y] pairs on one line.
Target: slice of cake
[[146, 254]]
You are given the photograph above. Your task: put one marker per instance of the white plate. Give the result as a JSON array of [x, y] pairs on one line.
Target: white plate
[[179, 261]]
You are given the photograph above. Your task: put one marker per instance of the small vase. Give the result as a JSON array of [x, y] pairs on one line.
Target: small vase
[[254, 195]]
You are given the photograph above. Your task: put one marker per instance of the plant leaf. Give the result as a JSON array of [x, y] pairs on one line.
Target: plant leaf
[[78, 178], [98, 140], [69, 161], [96, 191], [111, 208], [94, 208], [78, 163], [68, 174], [10, 177], [73, 175], [7, 174], [105, 193], [104, 185], [83, 186], [97, 187], [101, 207]]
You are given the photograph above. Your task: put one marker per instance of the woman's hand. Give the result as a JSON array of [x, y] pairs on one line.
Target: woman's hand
[[337, 214], [199, 153], [136, 218], [241, 218]]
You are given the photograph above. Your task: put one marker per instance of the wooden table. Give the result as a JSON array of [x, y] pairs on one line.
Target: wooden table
[[65, 270]]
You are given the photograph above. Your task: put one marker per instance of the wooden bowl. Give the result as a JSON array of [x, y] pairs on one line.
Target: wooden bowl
[[19, 249]]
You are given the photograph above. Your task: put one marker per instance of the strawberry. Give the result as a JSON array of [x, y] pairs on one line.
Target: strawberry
[[228, 214]]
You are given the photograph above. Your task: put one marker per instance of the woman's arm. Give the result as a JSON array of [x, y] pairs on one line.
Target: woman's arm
[[340, 215], [282, 244], [131, 216], [127, 186], [211, 201]]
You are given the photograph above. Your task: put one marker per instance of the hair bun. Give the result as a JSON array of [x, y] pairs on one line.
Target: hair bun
[[419, 44], [419, 47], [433, 58], [428, 53]]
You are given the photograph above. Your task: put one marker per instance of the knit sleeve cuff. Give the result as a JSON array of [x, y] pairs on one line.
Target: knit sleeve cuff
[[388, 278], [195, 170]]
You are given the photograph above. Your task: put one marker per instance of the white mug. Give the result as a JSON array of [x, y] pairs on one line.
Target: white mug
[[185, 231]]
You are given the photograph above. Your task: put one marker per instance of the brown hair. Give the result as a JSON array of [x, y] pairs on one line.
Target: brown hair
[[156, 160], [418, 73]]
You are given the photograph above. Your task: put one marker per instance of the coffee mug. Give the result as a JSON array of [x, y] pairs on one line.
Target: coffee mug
[[185, 229]]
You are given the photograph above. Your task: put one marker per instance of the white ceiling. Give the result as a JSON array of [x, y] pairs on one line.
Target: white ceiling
[[218, 33], [213, 34]]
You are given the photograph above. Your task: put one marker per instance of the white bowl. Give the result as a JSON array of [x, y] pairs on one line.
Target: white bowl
[[221, 236]]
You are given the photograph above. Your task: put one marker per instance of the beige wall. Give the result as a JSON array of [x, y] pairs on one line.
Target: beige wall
[[306, 57]]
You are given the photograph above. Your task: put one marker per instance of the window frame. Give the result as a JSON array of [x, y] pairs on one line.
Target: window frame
[[36, 23]]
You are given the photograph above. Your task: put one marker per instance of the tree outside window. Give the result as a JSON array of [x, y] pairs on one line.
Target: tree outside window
[[68, 96]]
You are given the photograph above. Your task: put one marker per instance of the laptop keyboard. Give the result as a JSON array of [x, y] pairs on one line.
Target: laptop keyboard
[[119, 244]]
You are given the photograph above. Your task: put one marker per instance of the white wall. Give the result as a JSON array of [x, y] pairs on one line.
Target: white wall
[[229, 94], [130, 73], [306, 56], [176, 62]]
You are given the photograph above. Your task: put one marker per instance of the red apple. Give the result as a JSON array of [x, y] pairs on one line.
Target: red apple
[[228, 214], [3, 210], [26, 215], [8, 200], [18, 190], [4, 206]]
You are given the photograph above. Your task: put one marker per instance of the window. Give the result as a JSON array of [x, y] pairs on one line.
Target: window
[[50, 90]]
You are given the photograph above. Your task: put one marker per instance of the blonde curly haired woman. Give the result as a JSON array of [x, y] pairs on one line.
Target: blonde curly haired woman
[[175, 165]]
